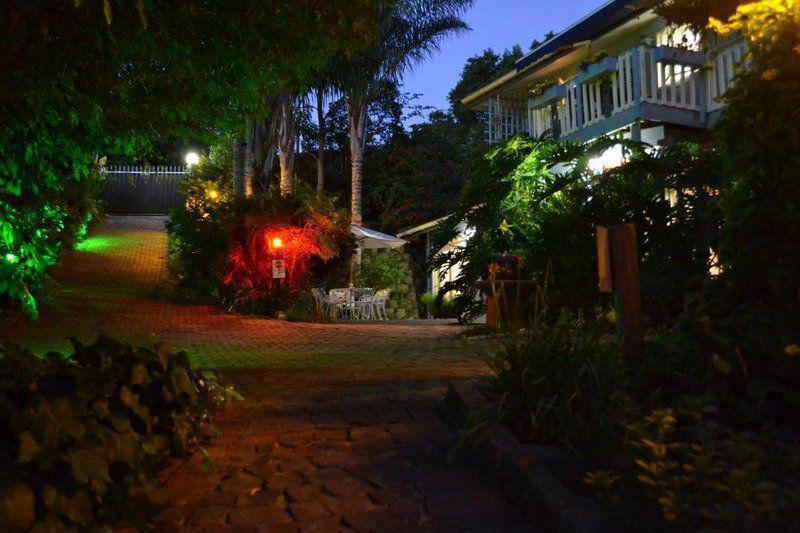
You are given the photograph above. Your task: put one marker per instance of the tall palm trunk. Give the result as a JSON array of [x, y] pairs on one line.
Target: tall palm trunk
[[320, 140], [286, 143], [237, 160], [357, 110], [266, 145], [249, 161]]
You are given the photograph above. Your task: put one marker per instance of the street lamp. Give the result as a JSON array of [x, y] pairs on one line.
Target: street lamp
[[192, 158]]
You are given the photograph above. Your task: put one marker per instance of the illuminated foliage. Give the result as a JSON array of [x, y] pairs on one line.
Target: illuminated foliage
[[83, 80], [251, 261], [221, 249], [516, 205]]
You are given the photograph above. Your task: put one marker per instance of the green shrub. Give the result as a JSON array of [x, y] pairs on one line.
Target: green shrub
[[381, 270], [693, 472], [81, 435], [439, 307], [561, 385], [37, 223], [200, 230], [304, 309]]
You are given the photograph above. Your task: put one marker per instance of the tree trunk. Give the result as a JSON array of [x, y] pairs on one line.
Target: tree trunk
[[264, 145], [237, 160], [249, 161], [286, 143], [357, 109], [320, 140]]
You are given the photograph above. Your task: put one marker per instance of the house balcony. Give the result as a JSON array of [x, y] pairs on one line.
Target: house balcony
[[661, 84]]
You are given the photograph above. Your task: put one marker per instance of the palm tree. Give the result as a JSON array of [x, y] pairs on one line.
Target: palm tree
[[287, 139], [320, 93], [409, 32], [253, 155], [238, 160]]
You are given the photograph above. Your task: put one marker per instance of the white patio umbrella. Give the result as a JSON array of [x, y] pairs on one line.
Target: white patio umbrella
[[369, 239]]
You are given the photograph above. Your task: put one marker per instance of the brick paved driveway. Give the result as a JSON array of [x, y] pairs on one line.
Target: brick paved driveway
[[340, 429]]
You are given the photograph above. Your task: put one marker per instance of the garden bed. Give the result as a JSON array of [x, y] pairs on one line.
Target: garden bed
[[542, 480]]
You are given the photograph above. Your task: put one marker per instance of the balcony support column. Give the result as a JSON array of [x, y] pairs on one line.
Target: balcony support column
[[636, 130]]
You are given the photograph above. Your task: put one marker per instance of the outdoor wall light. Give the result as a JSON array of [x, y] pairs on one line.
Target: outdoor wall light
[[277, 242], [192, 158]]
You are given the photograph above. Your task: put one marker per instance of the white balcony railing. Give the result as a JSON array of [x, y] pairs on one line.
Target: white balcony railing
[[622, 93], [669, 84], [669, 77], [722, 74], [503, 121]]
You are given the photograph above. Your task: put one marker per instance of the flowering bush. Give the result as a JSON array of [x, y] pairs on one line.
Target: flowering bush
[[222, 249], [313, 243]]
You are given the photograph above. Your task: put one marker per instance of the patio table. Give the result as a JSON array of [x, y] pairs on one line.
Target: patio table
[[357, 305]]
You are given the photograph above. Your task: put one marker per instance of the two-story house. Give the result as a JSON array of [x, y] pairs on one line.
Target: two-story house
[[621, 70]]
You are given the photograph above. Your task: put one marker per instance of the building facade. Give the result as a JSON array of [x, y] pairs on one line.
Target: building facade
[[621, 70]]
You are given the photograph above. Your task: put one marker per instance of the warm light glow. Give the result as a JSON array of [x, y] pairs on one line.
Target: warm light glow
[[192, 158], [213, 194], [277, 242]]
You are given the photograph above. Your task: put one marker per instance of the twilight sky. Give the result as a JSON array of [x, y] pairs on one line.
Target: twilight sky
[[496, 24]]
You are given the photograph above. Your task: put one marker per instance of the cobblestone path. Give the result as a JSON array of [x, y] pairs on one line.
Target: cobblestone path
[[339, 431]]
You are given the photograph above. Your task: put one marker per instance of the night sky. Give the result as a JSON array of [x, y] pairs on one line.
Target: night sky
[[496, 24]]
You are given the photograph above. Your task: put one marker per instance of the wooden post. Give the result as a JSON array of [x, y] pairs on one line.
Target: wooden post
[[622, 251]]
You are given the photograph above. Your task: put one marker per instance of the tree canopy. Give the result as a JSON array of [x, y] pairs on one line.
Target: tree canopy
[[86, 79]]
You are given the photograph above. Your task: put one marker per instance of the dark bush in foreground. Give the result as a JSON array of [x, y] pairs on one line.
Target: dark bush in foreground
[[80, 435]]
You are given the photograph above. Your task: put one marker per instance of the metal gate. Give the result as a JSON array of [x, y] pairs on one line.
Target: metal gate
[[137, 189]]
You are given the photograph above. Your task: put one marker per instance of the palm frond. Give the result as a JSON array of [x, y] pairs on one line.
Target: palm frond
[[410, 32]]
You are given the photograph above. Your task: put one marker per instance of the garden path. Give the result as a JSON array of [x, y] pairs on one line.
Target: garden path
[[339, 430]]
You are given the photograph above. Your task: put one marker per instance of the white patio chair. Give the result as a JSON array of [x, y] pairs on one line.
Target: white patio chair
[[320, 300], [338, 302], [362, 303], [379, 303]]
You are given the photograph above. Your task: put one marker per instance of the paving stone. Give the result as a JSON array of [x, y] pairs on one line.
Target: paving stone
[[362, 417], [378, 520], [266, 517], [209, 516], [329, 421]]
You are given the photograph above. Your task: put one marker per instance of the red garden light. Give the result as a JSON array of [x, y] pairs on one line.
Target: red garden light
[[273, 256]]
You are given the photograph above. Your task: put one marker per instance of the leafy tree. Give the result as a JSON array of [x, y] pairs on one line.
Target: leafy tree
[[760, 139], [477, 72], [84, 79], [419, 178], [384, 127], [695, 12]]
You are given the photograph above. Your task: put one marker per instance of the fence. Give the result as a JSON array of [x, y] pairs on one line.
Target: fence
[[138, 189]]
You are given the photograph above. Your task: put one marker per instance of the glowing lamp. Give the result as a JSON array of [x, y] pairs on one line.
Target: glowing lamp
[[277, 242], [192, 158], [213, 194]]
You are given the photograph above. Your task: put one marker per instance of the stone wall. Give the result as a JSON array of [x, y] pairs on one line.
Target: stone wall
[[403, 302]]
